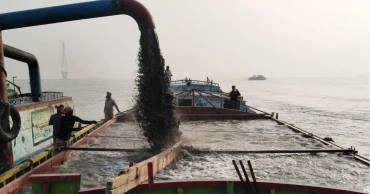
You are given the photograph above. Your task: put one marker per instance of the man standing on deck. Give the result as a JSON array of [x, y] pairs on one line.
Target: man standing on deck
[[168, 74], [67, 123], [108, 108], [234, 94], [55, 121]]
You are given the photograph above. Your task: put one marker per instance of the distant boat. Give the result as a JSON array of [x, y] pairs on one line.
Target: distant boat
[[257, 77]]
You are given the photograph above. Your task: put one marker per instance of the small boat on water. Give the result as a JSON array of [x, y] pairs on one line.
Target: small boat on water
[[257, 77]]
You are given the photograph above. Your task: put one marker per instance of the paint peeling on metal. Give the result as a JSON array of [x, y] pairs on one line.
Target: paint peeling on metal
[[35, 132]]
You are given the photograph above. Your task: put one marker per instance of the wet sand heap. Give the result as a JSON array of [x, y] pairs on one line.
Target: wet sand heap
[[155, 103]]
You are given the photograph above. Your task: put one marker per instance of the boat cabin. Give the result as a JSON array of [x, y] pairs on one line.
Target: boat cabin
[[188, 85]]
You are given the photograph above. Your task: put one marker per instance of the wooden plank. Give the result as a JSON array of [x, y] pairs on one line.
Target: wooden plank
[[138, 173]]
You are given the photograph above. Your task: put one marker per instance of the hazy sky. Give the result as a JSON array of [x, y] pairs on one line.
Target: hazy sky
[[199, 38]]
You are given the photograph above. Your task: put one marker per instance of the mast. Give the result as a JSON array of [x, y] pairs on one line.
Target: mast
[[64, 64]]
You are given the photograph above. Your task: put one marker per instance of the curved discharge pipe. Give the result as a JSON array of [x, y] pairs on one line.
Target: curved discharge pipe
[[78, 11], [33, 66], [57, 14]]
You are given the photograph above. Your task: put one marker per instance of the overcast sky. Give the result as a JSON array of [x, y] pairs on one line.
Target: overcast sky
[[198, 38]]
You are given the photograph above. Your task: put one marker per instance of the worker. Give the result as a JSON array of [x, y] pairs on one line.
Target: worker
[[168, 74], [67, 123], [108, 108], [55, 120], [234, 94]]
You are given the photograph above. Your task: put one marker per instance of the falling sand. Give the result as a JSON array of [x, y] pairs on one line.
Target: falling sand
[[155, 105]]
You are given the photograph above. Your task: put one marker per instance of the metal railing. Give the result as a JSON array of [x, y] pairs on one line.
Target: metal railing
[[214, 101], [195, 81], [46, 96]]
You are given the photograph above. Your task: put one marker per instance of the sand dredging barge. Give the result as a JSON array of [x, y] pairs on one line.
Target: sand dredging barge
[[33, 160]]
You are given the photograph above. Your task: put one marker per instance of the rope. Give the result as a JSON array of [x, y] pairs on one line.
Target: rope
[[274, 151], [103, 149], [243, 132], [123, 137]]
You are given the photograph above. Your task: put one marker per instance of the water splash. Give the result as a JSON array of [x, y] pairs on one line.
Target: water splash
[[155, 105]]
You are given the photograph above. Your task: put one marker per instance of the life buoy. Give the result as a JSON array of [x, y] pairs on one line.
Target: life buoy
[[9, 135]]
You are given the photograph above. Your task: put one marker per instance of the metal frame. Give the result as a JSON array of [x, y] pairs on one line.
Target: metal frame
[[213, 96]]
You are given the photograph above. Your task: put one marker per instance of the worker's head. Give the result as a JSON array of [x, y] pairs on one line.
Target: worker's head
[[60, 108], [167, 68], [233, 87], [68, 111], [109, 95]]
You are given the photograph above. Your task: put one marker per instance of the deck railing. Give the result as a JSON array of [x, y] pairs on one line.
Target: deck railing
[[221, 102], [223, 98], [46, 96], [195, 81]]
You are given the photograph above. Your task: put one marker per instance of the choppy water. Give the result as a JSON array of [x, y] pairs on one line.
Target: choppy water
[[333, 107]]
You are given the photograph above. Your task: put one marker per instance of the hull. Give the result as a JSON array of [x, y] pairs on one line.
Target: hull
[[14, 186], [201, 113], [233, 187], [204, 113], [207, 186], [36, 135]]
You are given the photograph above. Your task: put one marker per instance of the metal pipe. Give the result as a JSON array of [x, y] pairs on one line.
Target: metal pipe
[[183, 97], [247, 132], [274, 151], [253, 177], [33, 66], [205, 99], [77, 11], [246, 188], [15, 86], [246, 177], [57, 14], [103, 149]]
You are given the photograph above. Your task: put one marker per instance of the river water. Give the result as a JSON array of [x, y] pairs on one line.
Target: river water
[[328, 107]]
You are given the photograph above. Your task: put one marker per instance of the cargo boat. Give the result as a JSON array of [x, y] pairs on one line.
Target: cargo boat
[[203, 100], [206, 100], [130, 180]]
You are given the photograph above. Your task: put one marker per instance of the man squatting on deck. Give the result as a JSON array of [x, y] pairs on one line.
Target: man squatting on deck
[[67, 123], [108, 108]]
